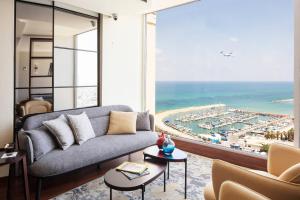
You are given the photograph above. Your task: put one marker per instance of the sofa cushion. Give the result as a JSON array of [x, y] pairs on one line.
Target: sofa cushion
[[99, 117], [143, 121], [292, 174], [82, 127], [42, 141], [91, 152], [122, 122], [61, 130]]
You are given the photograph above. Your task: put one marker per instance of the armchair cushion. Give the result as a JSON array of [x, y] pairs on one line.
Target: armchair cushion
[[281, 157], [231, 190], [269, 187], [292, 174], [209, 193]]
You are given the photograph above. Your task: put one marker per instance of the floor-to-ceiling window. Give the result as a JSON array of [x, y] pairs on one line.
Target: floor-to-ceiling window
[[224, 73]]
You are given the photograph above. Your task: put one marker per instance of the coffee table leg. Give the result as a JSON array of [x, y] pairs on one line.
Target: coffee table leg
[[8, 194], [185, 179], [143, 192], [164, 181], [110, 193]]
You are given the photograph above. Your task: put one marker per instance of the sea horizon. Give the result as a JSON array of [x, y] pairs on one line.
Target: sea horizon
[[259, 96]]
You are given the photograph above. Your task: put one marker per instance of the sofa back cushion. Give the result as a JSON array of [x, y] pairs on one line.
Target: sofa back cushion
[[99, 117], [291, 175]]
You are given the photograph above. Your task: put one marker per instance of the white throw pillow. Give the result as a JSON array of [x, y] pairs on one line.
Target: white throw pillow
[[81, 127], [61, 130]]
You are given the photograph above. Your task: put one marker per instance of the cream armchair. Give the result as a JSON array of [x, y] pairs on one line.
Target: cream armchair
[[277, 184], [230, 191], [36, 106]]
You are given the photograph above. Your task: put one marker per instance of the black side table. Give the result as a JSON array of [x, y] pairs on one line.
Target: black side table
[[177, 156], [21, 157]]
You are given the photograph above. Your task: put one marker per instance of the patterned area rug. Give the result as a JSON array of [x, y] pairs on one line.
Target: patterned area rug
[[199, 174]]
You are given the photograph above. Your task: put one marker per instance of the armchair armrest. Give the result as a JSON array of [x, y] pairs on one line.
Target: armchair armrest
[[269, 187], [231, 190], [282, 157]]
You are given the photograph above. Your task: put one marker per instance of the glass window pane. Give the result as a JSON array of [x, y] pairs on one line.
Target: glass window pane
[[63, 67], [41, 67], [86, 96], [21, 95], [31, 21], [41, 82], [64, 98], [41, 48], [87, 40], [68, 26], [86, 68]]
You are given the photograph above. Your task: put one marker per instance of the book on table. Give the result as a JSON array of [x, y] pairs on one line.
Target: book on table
[[131, 176], [132, 167]]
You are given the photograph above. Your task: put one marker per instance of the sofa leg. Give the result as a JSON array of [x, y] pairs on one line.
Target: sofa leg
[[38, 189], [98, 166]]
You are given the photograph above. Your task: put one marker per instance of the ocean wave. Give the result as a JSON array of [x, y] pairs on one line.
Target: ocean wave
[[283, 101]]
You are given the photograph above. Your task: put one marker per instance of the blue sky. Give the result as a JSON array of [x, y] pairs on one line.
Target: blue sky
[[259, 33]]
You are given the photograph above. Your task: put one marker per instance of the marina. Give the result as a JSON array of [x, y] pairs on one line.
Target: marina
[[221, 124]]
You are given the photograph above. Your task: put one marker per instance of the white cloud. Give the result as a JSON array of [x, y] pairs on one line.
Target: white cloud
[[234, 39], [159, 51]]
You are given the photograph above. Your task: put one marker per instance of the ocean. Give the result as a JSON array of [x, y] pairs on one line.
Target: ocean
[[270, 97]]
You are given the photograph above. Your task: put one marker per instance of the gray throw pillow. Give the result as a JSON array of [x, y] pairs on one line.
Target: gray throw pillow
[[81, 127], [61, 130], [143, 121], [42, 141]]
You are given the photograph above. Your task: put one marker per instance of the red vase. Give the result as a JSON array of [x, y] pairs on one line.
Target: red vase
[[161, 140]]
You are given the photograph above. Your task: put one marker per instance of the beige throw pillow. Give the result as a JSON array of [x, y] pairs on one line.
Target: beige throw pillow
[[122, 122], [292, 174]]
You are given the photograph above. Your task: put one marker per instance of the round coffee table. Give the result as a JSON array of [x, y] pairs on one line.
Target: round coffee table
[[178, 155], [116, 180]]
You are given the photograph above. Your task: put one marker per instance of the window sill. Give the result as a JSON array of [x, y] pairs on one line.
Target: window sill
[[237, 157]]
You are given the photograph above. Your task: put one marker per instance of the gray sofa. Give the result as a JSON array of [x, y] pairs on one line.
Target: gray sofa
[[94, 151]]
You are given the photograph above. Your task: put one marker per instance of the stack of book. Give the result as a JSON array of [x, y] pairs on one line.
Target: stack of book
[[133, 170]]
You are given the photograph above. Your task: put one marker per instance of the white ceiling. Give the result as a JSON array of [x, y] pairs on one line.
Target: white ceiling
[[108, 7]]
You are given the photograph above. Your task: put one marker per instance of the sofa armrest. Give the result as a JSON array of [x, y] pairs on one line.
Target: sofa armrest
[[151, 117], [231, 190], [25, 144], [278, 161], [269, 187]]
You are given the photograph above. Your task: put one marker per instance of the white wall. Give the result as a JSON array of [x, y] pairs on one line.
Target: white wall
[[150, 63], [6, 73], [122, 61], [297, 73]]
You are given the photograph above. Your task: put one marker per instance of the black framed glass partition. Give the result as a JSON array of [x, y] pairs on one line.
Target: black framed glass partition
[[75, 60], [56, 58]]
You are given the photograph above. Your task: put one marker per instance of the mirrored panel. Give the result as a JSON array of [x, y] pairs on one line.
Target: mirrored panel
[[33, 58]]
